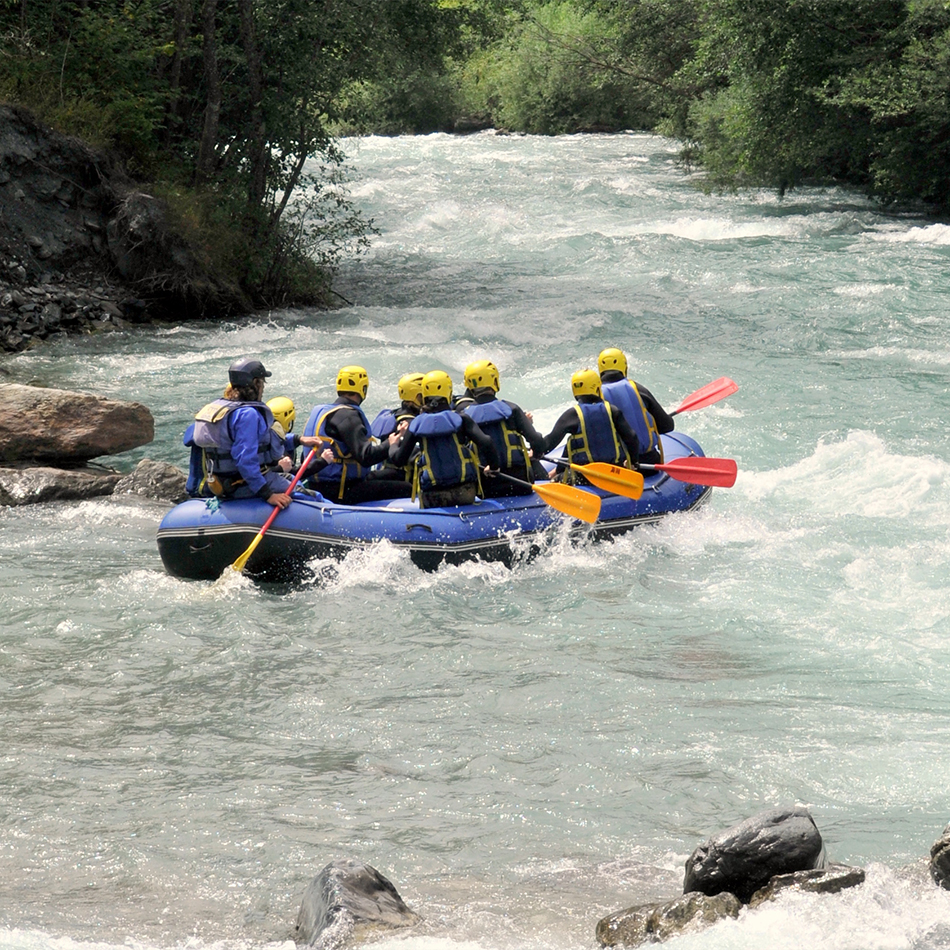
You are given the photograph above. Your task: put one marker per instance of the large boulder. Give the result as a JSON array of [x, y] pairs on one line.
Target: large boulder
[[744, 858], [157, 480], [24, 484], [654, 923], [348, 900], [67, 428]]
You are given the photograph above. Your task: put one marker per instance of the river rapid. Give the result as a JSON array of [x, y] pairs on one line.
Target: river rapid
[[520, 751]]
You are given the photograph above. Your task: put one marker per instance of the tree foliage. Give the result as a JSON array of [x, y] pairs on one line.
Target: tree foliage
[[229, 98]]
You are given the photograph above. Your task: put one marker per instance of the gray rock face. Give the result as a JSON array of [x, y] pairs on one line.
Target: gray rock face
[[23, 484], [654, 923], [62, 427], [157, 480], [346, 901], [830, 880], [940, 860], [744, 858]]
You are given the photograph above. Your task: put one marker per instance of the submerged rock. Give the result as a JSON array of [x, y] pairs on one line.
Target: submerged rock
[[62, 427], [744, 858], [348, 900], [24, 484], [940, 860], [654, 923], [158, 480], [829, 880]]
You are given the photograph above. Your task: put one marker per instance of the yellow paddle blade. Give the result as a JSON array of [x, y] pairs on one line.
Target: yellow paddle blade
[[612, 478], [238, 565], [572, 501]]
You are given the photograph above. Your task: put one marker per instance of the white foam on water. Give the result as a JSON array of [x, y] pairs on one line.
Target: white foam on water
[[856, 476], [938, 234]]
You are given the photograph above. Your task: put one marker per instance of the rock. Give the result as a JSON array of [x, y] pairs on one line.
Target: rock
[[940, 860], [654, 923], [349, 899], [157, 480], [55, 425], [744, 858], [25, 484], [829, 880]]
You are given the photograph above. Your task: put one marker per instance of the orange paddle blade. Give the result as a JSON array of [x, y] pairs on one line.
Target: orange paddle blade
[[612, 478], [572, 501]]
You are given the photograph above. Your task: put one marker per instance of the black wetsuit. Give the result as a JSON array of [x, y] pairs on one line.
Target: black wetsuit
[[346, 425]]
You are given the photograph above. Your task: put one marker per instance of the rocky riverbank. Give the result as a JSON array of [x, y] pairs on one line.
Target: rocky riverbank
[[84, 247]]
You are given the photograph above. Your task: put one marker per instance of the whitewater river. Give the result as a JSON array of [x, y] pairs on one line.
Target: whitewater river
[[520, 751]]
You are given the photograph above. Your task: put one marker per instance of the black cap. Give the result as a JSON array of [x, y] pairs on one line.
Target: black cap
[[244, 372]]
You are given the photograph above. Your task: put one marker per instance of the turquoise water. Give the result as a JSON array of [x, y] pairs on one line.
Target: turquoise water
[[520, 751]]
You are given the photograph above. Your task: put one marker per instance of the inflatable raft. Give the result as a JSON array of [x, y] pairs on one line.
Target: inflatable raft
[[199, 538]]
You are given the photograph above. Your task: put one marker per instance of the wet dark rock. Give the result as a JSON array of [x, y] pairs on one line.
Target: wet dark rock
[[829, 880], [63, 427], [654, 923], [744, 858], [349, 900], [26, 484], [157, 480], [940, 860]]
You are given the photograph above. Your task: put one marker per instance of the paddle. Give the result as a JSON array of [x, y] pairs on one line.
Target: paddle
[[238, 565], [698, 470], [612, 478], [575, 502], [707, 395]]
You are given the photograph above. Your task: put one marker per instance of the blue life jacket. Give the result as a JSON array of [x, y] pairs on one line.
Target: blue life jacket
[[492, 418], [444, 460], [597, 440], [212, 434], [346, 466], [384, 424], [626, 397]]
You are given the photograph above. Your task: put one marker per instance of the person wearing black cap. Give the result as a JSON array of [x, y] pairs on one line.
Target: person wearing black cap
[[240, 447]]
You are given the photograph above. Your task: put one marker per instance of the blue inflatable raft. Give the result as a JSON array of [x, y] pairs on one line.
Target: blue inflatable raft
[[199, 540]]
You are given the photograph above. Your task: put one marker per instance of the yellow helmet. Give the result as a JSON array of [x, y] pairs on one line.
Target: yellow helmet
[[437, 383], [283, 410], [612, 358], [410, 387], [585, 382], [352, 379], [482, 373]]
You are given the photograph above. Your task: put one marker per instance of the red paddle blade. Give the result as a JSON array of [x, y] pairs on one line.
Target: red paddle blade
[[710, 393], [700, 471]]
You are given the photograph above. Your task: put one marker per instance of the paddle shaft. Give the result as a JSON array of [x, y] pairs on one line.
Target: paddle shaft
[[238, 565], [579, 504]]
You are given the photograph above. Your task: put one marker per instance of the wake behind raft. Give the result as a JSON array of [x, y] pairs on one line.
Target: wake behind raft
[[198, 540]]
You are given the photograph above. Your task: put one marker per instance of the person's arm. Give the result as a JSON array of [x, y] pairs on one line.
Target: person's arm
[[402, 452], [626, 433], [247, 429], [486, 448], [523, 424], [347, 425], [565, 426], [664, 421]]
